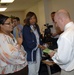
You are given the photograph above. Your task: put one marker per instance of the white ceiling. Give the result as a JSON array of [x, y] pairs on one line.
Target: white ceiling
[[18, 5]]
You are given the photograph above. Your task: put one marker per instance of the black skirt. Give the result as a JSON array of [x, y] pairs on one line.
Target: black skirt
[[23, 71]]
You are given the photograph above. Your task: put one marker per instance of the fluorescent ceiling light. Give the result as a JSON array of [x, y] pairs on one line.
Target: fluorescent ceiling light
[[6, 1], [2, 9]]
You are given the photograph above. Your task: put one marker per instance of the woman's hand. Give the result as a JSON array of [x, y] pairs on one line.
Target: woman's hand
[[42, 47], [19, 41]]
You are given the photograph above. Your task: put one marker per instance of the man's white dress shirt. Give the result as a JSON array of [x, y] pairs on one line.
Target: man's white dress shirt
[[64, 56]]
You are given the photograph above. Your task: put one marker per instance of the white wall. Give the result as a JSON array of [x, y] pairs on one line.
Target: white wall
[[63, 4]]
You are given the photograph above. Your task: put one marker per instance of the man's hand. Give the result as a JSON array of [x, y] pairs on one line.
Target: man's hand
[[51, 53]]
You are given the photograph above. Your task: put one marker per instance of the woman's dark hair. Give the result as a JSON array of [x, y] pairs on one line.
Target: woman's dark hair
[[28, 17], [3, 18]]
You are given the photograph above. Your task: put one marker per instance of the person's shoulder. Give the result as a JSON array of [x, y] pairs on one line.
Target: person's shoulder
[[14, 29], [20, 25], [37, 26], [2, 36], [26, 27]]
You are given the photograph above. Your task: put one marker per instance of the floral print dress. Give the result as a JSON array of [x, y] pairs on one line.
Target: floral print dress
[[12, 58]]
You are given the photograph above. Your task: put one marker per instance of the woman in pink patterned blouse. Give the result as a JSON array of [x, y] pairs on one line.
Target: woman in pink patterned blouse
[[12, 54]]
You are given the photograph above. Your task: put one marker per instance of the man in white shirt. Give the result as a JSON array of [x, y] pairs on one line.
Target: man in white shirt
[[64, 56]]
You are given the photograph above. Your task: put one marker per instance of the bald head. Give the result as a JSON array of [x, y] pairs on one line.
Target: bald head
[[62, 17], [64, 14]]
